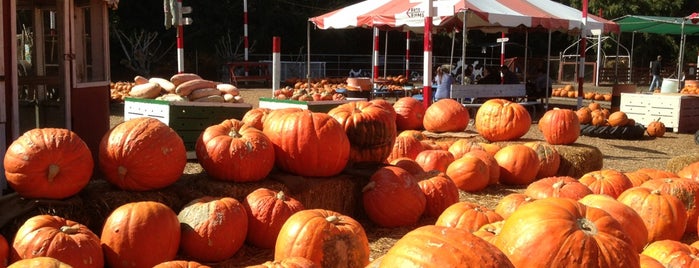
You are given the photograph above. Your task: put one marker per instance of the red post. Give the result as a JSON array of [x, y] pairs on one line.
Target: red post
[[426, 85], [375, 67], [180, 39], [407, 54]]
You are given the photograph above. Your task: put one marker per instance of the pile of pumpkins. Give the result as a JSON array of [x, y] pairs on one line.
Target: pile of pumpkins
[[326, 88], [418, 178], [593, 114], [568, 91], [179, 87]]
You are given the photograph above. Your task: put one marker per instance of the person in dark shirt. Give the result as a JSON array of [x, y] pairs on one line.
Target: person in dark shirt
[[508, 77], [491, 76], [655, 68]]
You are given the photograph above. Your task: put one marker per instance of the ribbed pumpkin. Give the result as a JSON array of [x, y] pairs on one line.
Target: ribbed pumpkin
[[560, 126], [462, 146], [327, 238], [308, 143], [606, 181], [371, 130], [509, 203], [393, 198], [50, 163], [434, 160], [142, 154], [491, 163], [440, 193], [267, 211], [409, 113], [637, 178], [213, 228], [4, 252], [618, 118], [690, 171], [409, 165], [655, 173], [664, 214], [438, 246], [290, 262], [671, 253], [561, 232], [549, 158], [136, 228], [446, 115], [686, 190], [489, 232], [649, 262], [255, 117], [469, 173], [181, 264], [59, 238], [502, 120], [518, 163], [412, 132], [405, 146], [39, 262], [656, 128], [559, 186], [630, 221], [468, 216], [234, 151]]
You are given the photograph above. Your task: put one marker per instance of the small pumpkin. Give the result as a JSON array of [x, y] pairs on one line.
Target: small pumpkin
[[440, 193], [618, 118], [518, 163], [405, 146], [549, 158], [686, 190], [50, 163], [560, 126], [446, 115], [468, 216], [181, 264], [462, 146], [469, 173], [584, 115], [502, 120], [656, 128], [290, 262], [509, 203], [434, 160], [690, 171], [410, 165], [267, 210], [39, 262], [558, 186]]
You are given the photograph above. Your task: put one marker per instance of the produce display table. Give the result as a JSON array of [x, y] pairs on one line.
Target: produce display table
[[680, 112]]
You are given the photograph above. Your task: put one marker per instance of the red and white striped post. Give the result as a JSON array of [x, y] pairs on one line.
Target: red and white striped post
[[276, 62], [427, 61], [407, 54], [583, 44], [180, 39], [375, 55]]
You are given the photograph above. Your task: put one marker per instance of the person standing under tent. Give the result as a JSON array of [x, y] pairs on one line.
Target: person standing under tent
[[542, 84], [655, 68], [508, 77], [443, 80]]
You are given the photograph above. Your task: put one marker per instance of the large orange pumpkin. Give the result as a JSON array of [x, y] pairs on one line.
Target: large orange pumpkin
[[142, 154], [267, 210], [461, 146], [234, 151], [327, 238], [393, 198], [255, 117], [438, 246], [518, 163], [509, 203], [655, 173], [549, 158], [664, 214], [469, 173], [489, 160], [468, 216], [213, 228], [308, 143], [690, 171], [671, 253], [136, 228], [48, 163], [405, 146], [409, 113], [558, 186], [181, 264], [561, 232], [371, 130], [686, 190], [502, 120], [446, 115], [434, 160], [606, 181], [637, 178], [630, 221], [440, 193], [52, 236], [39, 262], [560, 126]]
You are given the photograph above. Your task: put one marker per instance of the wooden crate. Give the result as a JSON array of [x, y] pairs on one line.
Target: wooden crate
[[680, 112], [315, 106], [188, 119]]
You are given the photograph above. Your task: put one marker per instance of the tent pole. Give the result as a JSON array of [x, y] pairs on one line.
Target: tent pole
[[375, 57], [464, 36], [385, 55], [583, 44], [548, 76], [526, 54], [680, 62], [599, 58], [407, 55], [451, 56], [427, 58], [308, 53]]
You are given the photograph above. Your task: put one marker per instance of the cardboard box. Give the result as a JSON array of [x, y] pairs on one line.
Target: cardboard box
[[188, 119], [315, 106], [680, 112]]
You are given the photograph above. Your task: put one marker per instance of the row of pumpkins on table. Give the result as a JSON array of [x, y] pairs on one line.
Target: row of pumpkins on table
[[320, 89], [594, 114], [180, 87], [145, 154], [568, 91]]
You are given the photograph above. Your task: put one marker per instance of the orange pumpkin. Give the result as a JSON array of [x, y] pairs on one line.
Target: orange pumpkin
[[549, 233], [307, 143], [656, 128], [607, 181], [560, 126], [594, 106], [405, 146], [649, 262], [663, 214], [142, 154], [181, 264], [491, 163], [468, 216], [502, 120], [440, 192], [462, 146], [690, 171], [469, 173], [561, 186], [463, 248], [409, 113], [672, 253], [131, 230], [52, 236], [509, 203], [409, 165], [518, 163], [234, 151], [655, 173], [637, 178], [327, 238], [584, 115], [371, 130], [290, 262], [618, 118], [446, 115], [491, 148], [213, 229], [412, 132], [50, 163], [266, 211], [630, 221], [549, 159], [393, 198], [386, 105], [39, 262], [434, 160], [686, 190], [255, 117]]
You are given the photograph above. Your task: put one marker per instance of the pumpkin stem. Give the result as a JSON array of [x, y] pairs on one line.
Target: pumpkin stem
[[234, 133], [70, 229], [558, 184], [53, 172], [281, 196], [332, 219], [587, 226]]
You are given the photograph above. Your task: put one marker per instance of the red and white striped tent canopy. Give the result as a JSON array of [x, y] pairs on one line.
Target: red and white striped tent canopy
[[487, 15]]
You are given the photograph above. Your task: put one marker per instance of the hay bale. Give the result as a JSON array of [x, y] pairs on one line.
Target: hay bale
[[453, 136], [676, 163], [578, 159]]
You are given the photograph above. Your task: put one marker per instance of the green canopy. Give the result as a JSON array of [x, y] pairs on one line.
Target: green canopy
[[657, 25]]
